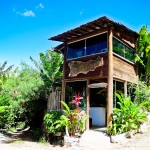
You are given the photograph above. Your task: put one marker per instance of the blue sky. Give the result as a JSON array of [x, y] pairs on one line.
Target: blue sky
[[26, 25]]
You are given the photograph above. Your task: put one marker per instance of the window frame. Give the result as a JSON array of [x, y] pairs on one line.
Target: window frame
[[106, 32], [124, 58]]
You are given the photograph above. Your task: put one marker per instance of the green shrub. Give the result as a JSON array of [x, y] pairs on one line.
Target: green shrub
[[142, 93], [37, 134], [72, 120], [50, 118], [128, 117], [4, 113]]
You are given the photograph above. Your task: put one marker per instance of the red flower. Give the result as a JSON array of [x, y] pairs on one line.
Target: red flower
[[77, 109], [76, 99]]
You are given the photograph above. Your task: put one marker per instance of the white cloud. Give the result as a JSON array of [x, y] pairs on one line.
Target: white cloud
[[40, 6], [28, 13], [82, 11]]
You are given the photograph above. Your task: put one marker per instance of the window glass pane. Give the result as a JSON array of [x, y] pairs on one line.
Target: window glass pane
[[118, 87], [130, 54], [96, 44], [76, 49], [123, 50], [118, 47]]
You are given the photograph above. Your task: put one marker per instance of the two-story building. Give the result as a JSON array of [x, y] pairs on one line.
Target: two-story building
[[98, 61]]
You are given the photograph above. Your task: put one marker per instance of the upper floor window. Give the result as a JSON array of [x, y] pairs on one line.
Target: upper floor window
[[123, 50], [90, 46], [96, 44], [76, 49]]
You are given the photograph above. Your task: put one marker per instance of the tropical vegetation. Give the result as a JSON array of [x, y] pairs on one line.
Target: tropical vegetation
[[128, 116], [50, 118], [72, 120], [22, 96], [143, 53], [24, 92]]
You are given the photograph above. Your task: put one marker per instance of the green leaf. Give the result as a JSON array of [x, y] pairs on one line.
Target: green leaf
[[66, 107]]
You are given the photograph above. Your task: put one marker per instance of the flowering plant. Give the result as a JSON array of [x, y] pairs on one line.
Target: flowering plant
[[76, 99], [72, 120]]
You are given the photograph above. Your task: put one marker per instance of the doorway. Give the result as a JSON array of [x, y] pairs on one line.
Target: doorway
[[97, 112], [118, 87], [73, 89]]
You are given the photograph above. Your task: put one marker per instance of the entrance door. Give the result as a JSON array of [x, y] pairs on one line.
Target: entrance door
[[98, 106]]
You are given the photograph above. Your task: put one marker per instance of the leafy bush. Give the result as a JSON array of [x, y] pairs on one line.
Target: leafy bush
[[50, 118], [128, 117], [4, 113], [72, 120], [24, 97], [4, 108], [37, 135], [142, 93]]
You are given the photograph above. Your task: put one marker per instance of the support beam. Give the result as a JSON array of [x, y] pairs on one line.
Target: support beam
[[125, 89], [63, 79], [110, 77], [63, 92], [88, 104]]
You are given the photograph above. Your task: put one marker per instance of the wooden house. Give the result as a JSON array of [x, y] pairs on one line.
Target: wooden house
[[98, 61]]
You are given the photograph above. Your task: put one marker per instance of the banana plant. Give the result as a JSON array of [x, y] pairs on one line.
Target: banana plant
[[143, 51]]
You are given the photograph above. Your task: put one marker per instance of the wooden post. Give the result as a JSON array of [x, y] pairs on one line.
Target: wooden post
[[125, 89], [63, 79], [62, 93], [110, 77], [63, 90], [88, 104]]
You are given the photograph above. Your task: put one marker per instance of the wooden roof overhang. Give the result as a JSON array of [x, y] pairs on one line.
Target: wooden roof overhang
[[92, 26], [102, 23]]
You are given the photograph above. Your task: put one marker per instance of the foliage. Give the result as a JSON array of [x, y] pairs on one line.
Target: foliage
[[128, 117], [3, 71], [4, 113], [143, 49], [142, 92], [50, 68], [50, 118], [23, 95], [72, 120], [37, 135]]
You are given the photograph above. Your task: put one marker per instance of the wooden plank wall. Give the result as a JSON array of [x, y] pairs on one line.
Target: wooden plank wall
[[53, 102], [124, 70]]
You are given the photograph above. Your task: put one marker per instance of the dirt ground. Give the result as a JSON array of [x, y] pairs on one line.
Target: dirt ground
[[138, 142]]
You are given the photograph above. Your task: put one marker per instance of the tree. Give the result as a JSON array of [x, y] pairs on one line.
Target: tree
[[50, 68], [24, 98], [143, 52], [4, 72], [4, 102]]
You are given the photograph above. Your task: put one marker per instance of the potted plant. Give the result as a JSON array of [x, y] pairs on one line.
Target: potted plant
[[73, 121], [50, 118]]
